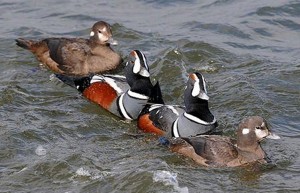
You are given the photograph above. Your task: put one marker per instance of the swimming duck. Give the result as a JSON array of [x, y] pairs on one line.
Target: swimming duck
[[77, 56], [124, 96], [222, 151], [177, 121]]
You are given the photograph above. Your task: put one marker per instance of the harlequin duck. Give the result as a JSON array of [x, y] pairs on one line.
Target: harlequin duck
[[220, 151], [124, 96], [176, 121], [77, 56]]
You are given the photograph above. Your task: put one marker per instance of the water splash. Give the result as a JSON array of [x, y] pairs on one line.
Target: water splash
[[89, 174], [40, 150], [169, 179]]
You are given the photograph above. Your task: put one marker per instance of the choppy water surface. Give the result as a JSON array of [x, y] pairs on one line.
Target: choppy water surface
[[53, 140]]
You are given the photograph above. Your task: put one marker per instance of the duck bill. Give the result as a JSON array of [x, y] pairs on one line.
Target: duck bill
[[111, 41], [272, 136]]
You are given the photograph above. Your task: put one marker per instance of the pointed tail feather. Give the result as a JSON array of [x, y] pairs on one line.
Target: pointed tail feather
[[154, 98], [156, 95], [80, 83]]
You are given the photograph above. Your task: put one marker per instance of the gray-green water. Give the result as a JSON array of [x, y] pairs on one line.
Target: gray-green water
[[53, 140]]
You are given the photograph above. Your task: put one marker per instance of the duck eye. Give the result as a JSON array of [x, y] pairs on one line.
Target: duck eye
[[132, 62], [258, 127], [99, 32]]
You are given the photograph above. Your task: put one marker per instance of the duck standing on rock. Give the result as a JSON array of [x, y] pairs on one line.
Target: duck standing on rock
[[193, 119], [222, 151], [124, 96], [77, 56]]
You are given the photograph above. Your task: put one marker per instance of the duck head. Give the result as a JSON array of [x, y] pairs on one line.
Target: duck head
[[136, 67], [101, 34], [252, 130], [196, 87]]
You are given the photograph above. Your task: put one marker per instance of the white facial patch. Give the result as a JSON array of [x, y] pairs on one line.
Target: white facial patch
[[102, 37], [260, 133], [137, 66], [196, 89], [92, 33], [144, 72], [245, 131]]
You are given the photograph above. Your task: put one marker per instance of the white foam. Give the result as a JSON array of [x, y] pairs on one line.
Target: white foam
[[93, 175], [82, 172], [169, 179], [40, 150]]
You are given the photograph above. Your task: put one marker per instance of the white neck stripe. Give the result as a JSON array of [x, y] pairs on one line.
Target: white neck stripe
[[175, 128], [137, 95], [122, 108], [197, 120]]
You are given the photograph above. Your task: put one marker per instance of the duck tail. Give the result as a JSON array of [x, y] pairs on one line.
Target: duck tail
[[156, 95], [80, 83], [154, 98], [69, 80]]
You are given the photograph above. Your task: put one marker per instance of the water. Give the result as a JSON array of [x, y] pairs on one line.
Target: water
[[53, 140]]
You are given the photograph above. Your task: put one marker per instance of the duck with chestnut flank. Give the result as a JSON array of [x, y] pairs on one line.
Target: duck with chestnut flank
[[77, 56], [176, 121], [222, 151], [124, 96]]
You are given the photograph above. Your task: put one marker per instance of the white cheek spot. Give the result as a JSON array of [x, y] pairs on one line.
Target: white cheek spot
[[245, 131], [92, 33]]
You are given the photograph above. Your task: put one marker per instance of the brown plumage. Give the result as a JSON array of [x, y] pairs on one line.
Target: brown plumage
[[220, 151], [77, 56]]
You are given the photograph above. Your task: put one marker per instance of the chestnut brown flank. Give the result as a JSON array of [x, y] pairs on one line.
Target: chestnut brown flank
[[146, 125], [100, 93]]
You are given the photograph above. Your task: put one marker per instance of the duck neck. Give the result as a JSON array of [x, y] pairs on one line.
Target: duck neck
[[199, 108]]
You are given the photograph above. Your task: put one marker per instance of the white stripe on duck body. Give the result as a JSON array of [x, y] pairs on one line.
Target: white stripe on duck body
[[176, 121], [124, 96]]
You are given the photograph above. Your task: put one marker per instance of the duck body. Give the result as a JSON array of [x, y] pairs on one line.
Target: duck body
[[193, 119], [77, 56], [222, 151], [124, 96]]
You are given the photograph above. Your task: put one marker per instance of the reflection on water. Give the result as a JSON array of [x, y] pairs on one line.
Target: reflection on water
[[54, 140]]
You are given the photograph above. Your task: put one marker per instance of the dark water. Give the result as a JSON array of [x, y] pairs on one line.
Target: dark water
[[53, 140]]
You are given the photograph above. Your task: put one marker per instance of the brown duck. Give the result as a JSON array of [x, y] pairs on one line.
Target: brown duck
[[77, 56], [220, 151]]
